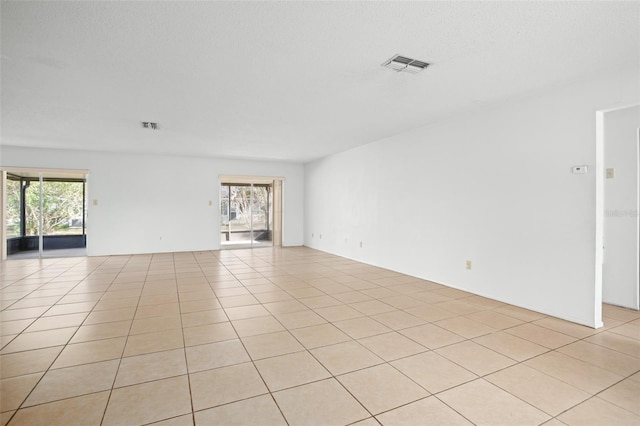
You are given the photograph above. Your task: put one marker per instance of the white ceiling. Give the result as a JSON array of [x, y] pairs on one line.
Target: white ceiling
[[292, 81]]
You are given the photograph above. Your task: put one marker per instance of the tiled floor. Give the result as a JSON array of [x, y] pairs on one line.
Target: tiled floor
[[294, 336]]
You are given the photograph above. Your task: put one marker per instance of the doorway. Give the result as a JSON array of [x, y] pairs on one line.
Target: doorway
[[43, 213], [250, 213], [618, 203]]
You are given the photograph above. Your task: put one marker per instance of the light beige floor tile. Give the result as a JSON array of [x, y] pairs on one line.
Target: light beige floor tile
[[79, 411], [148, 402], [219, 386], [285, 307], [149, 367], [300, 319], [625, 394], [273, 296], [234, 301], [584, 376], [34, 361], [199, 305], [372, 307], [194, 319], [59, 321], [153, 342], [88, 352], [318, 301], [621, 314], [608, 359], [150, 325], [483, 301], [433, 372], [15, 390], [320, 335], [253, 411], [512, 346], [475, 358], [597, 412], [152, 311], [33, 302], [73, 381], [14, 327], [158, 299], [116, 303], [274, 344], [544, 392], [485, 404], [453, 293], [185, 420], [398, 320], [39, 340], [308, 294], [431, 297], [290, 370], [379, 293], [214, 355], [628, 330], [431, 336], [381, 388], [19, 314], [114, 315], [255, 326], [69, 308], [351, 297], [108, 330], [459, 307], [616, 342], [392, 346], [402, 301], [338, 313], [494, 319], [307, 405], [346, 357], [244, 312], [358, 328], [429, 410], [465, 327], [541, 335], [209, 333], [520, 313], [566, 327]]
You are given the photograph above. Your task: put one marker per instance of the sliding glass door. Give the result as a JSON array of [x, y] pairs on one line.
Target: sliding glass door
[[246, 215], [44, 213]]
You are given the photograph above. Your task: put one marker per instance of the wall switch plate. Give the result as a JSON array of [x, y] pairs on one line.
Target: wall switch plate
[[468, 264], [579, 170], [95, 202], [610, 173]]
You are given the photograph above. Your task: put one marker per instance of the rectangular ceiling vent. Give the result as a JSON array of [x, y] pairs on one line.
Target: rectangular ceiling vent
[[404, 64]]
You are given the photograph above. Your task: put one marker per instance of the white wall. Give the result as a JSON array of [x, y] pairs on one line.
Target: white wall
[[620, 266], [493, 187], [152, 203]]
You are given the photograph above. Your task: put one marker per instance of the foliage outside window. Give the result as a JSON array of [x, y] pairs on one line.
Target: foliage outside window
[[13, 208]]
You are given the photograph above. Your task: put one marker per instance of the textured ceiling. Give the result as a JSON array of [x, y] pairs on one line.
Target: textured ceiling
[[292, 81]]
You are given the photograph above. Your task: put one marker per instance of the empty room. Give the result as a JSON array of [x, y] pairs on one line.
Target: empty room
[[319, 213]]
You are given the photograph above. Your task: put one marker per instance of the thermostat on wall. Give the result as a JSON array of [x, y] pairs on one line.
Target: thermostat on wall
[[579, 170]]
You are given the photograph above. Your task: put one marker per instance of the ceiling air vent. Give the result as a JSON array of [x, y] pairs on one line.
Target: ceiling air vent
[[150, 125], [404, 64]]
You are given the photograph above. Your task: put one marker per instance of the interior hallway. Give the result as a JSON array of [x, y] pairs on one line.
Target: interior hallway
[[294, 336]]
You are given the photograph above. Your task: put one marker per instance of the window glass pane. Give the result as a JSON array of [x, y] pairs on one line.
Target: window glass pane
[[62, 208], [32, 208], [13, 208]]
